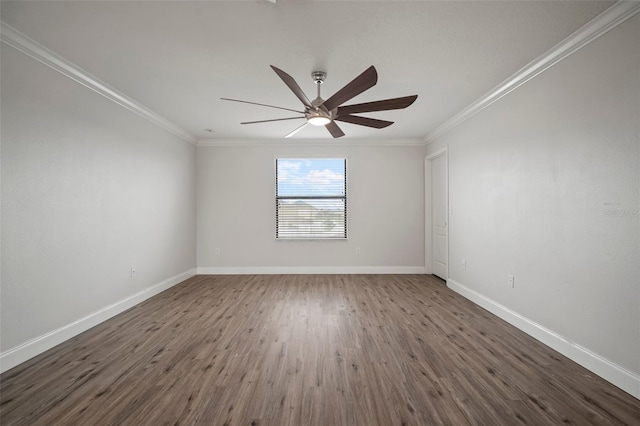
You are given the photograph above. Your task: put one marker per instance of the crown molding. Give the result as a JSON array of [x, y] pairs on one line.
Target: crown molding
[[598, 26], [14, 38], [310, 142]]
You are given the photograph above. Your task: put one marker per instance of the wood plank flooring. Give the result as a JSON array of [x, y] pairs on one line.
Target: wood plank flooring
[[308, 350]]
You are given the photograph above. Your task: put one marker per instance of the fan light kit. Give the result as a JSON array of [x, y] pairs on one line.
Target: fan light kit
[[318, 120], [320, 112]]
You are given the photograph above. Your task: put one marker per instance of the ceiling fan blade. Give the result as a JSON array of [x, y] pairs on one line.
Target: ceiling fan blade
[[296, 130], [335, 131], [291, 83], [364, 121], [265, 105], [384, 105], [364, 81], [268, 121]]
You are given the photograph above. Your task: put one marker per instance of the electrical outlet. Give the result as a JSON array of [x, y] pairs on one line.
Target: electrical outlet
[[464, 264], [357, 250], [133, 272], [511, 281], [217, 250]]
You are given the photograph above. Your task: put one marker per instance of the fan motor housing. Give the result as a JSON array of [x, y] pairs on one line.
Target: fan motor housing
[[318, 76]]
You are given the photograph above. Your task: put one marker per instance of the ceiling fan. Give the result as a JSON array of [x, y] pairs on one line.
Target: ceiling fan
[[320, 112]]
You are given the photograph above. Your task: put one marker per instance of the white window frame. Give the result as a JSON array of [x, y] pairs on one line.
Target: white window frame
[[344, 236]]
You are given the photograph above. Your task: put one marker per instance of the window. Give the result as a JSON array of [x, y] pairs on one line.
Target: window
[[311, 198]]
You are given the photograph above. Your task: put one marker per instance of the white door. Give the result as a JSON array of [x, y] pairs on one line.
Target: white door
[[439, 217]]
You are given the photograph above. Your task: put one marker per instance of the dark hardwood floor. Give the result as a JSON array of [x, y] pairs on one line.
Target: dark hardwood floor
[[308, 350]]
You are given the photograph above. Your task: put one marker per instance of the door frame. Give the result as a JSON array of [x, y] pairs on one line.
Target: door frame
[[428, 225]]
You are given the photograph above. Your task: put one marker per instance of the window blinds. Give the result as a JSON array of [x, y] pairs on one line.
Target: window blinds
[[311, 198]]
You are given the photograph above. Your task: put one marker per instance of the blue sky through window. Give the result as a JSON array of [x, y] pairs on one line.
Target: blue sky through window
[[305, 177]]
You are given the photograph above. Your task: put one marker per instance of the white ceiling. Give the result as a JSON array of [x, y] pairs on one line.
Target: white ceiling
[[179, 57]]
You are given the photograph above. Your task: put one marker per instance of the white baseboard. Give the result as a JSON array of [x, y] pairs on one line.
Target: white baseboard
[[33, 347], [284, 270], [613, 373]]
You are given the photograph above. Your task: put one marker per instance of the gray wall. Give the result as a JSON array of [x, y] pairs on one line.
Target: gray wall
[[236, 210], [89, 189], [544, 185]]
